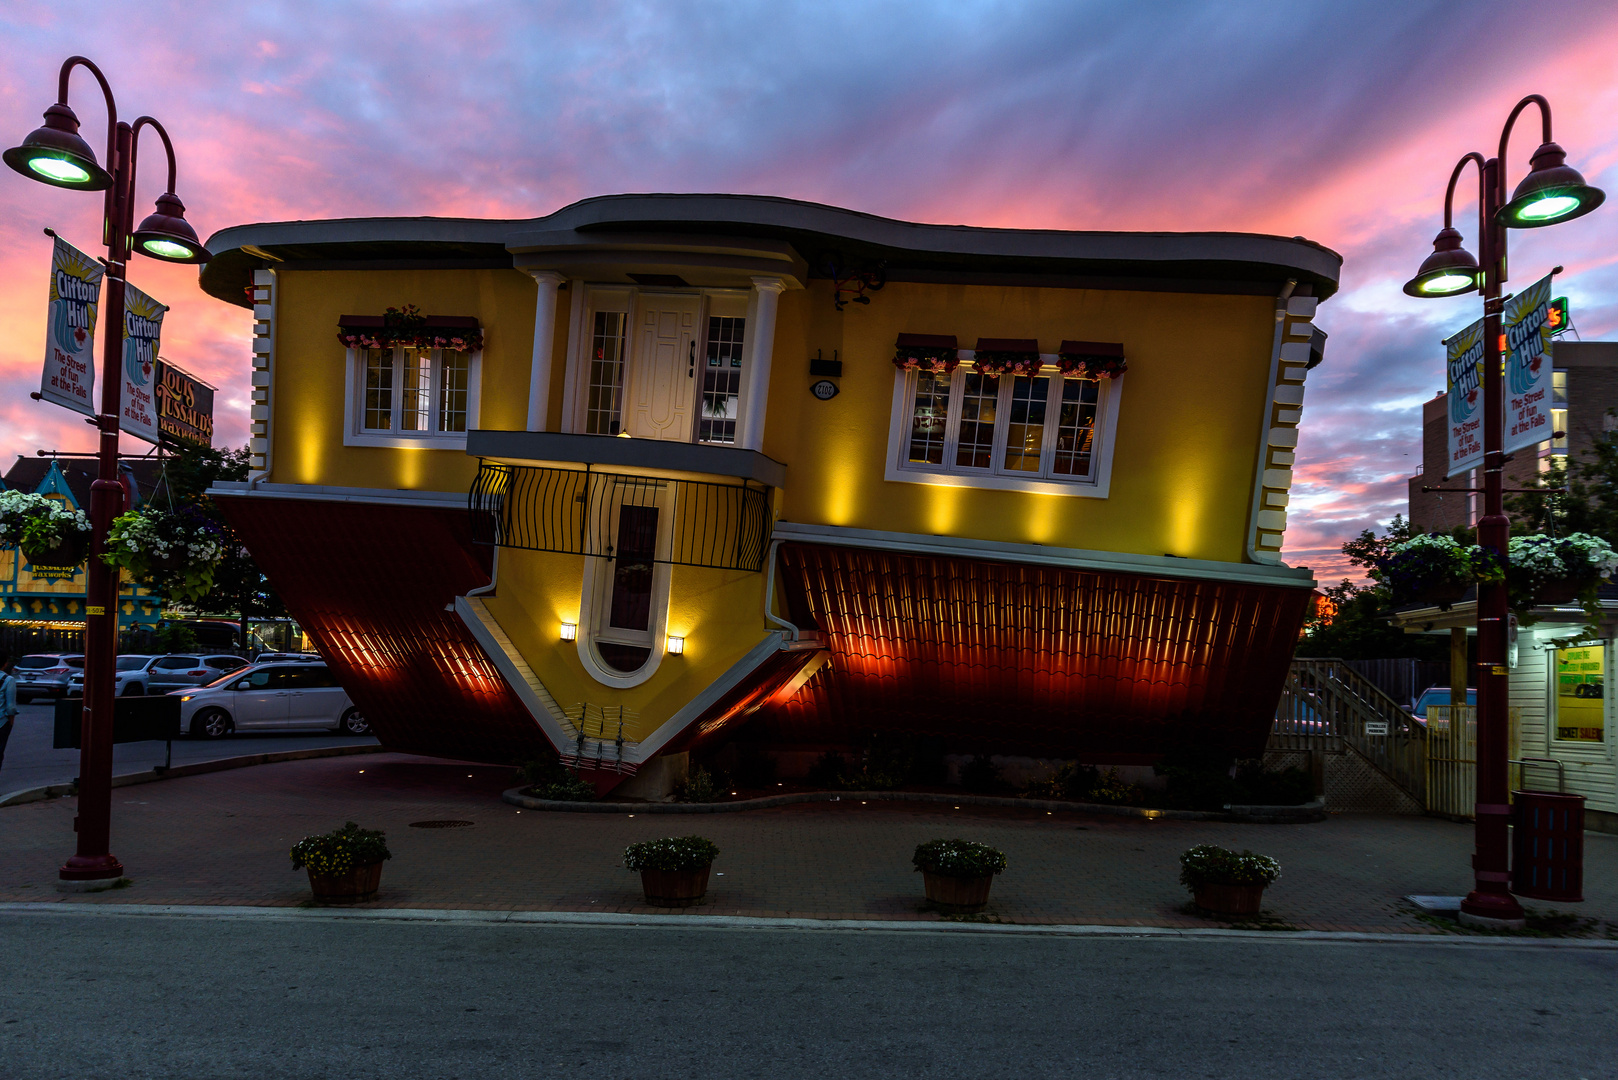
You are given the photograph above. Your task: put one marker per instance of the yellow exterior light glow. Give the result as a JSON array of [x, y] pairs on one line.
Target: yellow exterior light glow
[[676, 645], [570, 631]]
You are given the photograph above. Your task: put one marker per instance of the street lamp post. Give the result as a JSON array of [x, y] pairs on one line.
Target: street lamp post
[[1550, 193], [55, 154]]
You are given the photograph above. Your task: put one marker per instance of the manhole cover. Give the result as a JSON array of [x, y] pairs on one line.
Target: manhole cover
[[438, 824]]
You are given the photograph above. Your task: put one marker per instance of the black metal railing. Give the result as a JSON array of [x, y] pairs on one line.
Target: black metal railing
[[582, 511]]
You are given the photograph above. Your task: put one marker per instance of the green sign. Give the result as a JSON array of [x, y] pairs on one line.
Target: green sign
[[1559, 318]]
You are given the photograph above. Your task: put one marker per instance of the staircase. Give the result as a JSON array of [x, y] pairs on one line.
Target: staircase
[[1329, 708]]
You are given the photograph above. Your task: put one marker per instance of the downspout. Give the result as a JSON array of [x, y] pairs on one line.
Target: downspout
[[494, 576], [769, 596], [1264, 429]]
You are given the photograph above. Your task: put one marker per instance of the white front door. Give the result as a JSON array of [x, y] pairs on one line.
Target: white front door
[[663, 368]]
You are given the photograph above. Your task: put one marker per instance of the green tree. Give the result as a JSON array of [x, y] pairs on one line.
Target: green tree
[[1353, 626], [240, 587]]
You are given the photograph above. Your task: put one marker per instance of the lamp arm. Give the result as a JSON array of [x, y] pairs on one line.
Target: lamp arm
[[106, 90], [134, 145], [1505, 132], [1449, 192]]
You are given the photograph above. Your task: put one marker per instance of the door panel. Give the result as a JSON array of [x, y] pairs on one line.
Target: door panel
[[663, 368]]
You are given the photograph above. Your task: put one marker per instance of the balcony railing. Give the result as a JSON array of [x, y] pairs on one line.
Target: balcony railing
[[576, 512]]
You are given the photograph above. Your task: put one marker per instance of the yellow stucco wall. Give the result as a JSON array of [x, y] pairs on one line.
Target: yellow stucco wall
[[718, 612], [307, 395], [1192, 407]]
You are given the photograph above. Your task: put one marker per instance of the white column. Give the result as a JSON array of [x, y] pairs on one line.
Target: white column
[[766, 291], [539, 377]]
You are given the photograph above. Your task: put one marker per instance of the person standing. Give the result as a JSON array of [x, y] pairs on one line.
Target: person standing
[[8, 703]]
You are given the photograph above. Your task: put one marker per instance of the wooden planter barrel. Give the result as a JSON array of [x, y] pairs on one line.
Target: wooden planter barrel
[[1229, 899], [675, 888], [958, 894], [351, 888]]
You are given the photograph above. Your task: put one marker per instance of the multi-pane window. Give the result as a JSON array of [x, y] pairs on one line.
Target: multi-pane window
[[416, 391], [603, 408], [721, 380], [973, 424], [378, 390], [929, 417]]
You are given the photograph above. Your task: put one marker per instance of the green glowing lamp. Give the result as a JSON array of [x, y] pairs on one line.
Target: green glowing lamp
[[1449, 271], [166, 235], [1551, 192], [55, 154]]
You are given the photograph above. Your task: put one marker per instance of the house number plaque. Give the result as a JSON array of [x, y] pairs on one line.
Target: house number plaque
[[825, 389]]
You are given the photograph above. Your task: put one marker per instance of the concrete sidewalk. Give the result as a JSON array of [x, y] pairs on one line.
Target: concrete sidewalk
[[222, 839]]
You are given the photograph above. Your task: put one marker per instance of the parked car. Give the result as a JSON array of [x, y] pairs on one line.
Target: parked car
[[132, 672], [1438, 695], [280, 696], [45, 674], [283, 657], [178, 671]]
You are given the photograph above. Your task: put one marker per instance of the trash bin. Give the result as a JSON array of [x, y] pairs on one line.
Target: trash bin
[[1547, 846]]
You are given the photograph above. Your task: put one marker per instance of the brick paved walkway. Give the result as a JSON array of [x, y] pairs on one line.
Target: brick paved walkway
[[223, 838]]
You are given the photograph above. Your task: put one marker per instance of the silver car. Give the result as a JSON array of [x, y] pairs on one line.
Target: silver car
[[45, 674], [177, 671], [131, 674], [284, 696]]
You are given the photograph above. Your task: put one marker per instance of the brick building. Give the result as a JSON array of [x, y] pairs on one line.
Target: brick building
[[1585, 393]]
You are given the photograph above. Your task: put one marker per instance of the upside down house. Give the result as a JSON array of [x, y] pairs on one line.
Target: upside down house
[[659, 472]]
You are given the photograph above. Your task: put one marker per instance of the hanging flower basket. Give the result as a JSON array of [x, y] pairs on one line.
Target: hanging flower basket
[[1091, 359], [1548, 571], [50, 532], [1437, 570], [172, 552]]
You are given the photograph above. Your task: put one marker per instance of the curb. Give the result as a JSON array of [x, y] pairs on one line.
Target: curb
[[465, 917], [195, 768], [1257, 815]]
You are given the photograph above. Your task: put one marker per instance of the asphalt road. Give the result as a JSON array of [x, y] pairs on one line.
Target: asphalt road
[[133, 996], [30, 761]]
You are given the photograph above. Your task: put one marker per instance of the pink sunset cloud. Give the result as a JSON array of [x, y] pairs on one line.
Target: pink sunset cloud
[[1339, 123]]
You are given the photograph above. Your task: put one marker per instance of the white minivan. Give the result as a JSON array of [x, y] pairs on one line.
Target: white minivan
[[272, 697]]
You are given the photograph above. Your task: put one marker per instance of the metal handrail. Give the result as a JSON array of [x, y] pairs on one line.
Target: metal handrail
[[583, 512], [1561, 771]]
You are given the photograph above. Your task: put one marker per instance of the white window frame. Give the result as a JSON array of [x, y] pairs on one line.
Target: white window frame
[[902, 470], [589, 299], [356, 434], [595, 600]]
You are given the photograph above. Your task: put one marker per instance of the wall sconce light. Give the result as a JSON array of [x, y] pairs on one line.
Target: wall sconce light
[[676, 645], [570, 631]]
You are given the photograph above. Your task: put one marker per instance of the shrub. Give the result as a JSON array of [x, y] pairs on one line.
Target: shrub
[[1198, 778], [1112, 790], [1071, 781], [1284, 787], [958, 858], [672, 853], [1207, 864], [550, 779], [980, 774], [335, 853], [698, 786], [828, 770]]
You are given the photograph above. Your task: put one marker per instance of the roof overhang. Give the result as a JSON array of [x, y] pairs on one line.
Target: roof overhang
[[737, 235]]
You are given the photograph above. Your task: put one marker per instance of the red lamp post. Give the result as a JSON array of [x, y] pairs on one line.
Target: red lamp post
[[1550, 193], [55, 154]]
